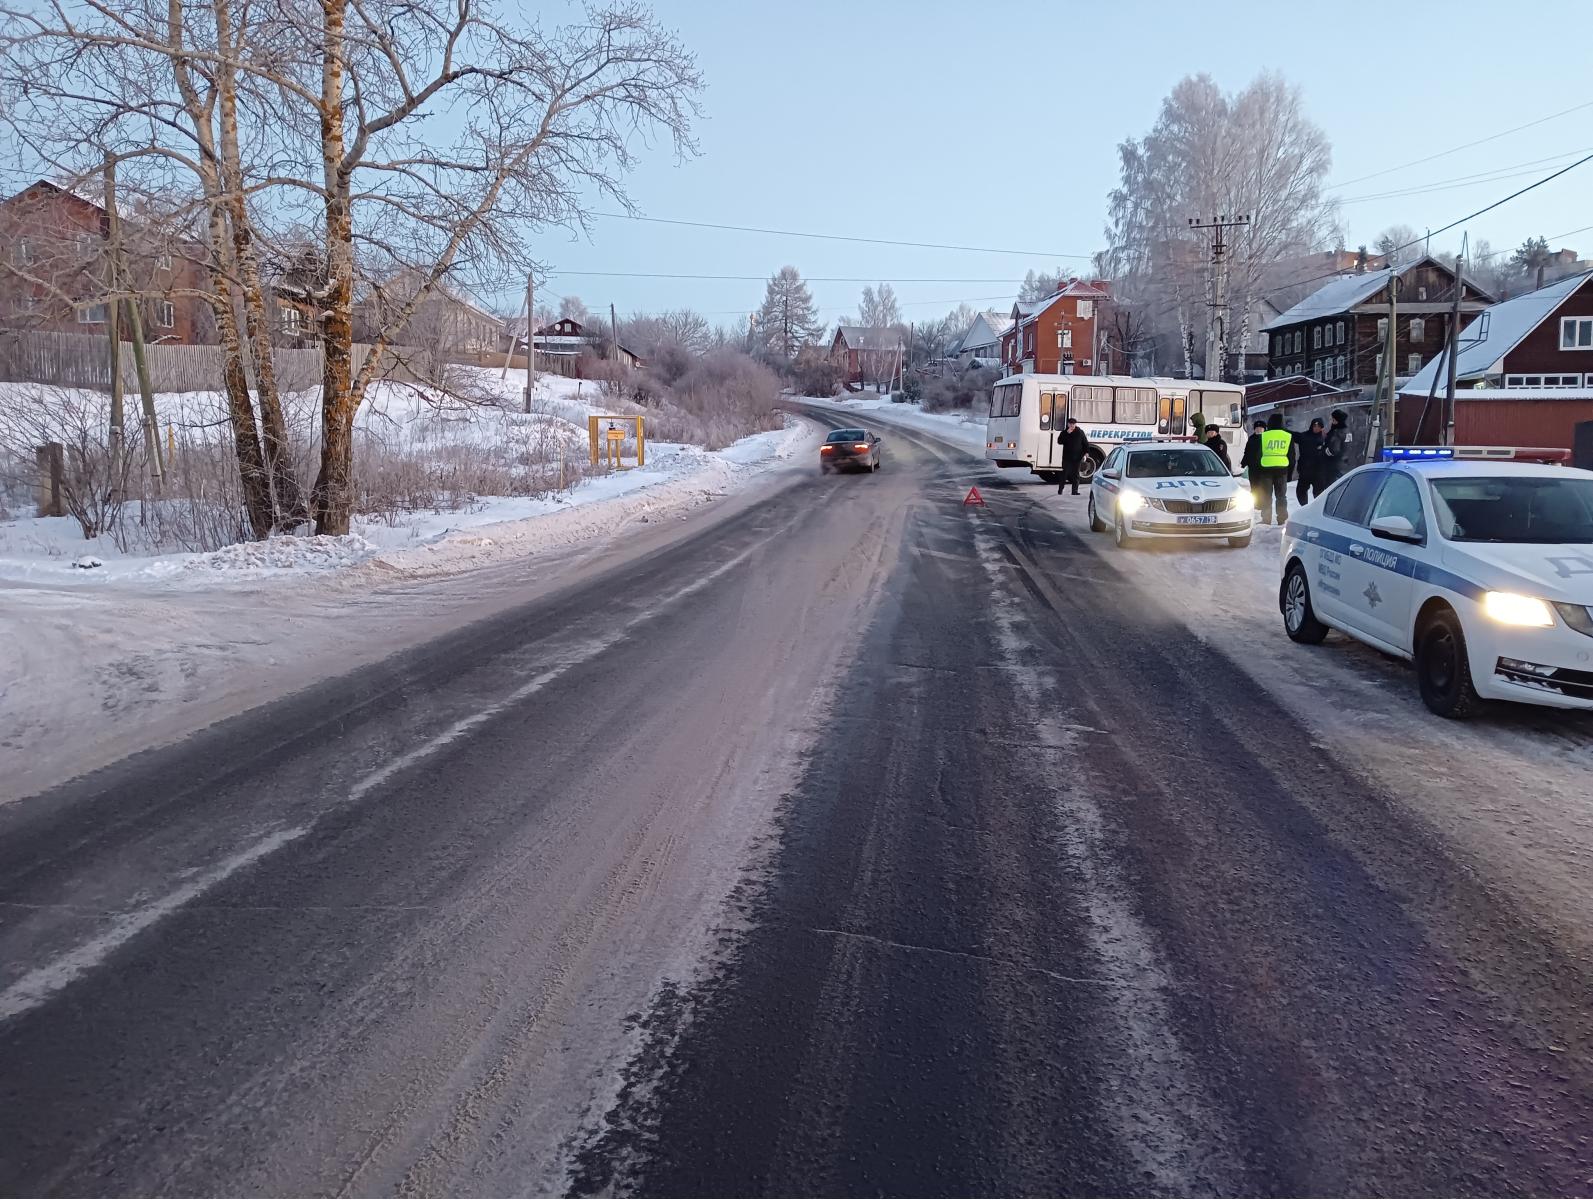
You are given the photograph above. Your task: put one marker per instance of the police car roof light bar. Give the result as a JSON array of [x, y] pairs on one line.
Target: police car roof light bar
[[1404, 453], [1531, 454]]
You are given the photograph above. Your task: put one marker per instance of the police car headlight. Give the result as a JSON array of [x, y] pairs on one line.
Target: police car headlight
[[1244, 501], [1130, 502], [1511, 608]]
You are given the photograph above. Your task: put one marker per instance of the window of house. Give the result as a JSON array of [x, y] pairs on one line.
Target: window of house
[[289, 316], [1418, 329], [1316, 338], [1413, 363], [26, 305], [163, 262], [1341, 333], [85, 244], [1542, 381], [91, 314], [165, 314], [1421, 293], [1379, 368], [1299, 340], [22, 255], [1338, 367], [1277, 345], [1382, 329], [1576, 333]]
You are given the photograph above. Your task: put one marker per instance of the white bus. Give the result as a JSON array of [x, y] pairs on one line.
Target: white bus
[[1028, 414]]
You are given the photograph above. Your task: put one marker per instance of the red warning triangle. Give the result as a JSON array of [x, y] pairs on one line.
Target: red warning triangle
[[973, 497]]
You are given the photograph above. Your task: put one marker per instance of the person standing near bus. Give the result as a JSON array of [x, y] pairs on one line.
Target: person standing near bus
[[1311, 462], [1336, 448], [1216, 444], [1277, 457], [1074, 447], [1250, 463]]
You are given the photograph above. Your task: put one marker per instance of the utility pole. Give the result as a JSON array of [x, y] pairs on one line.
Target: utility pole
[[113, 326], [613, 330], [1390, 350], [1447, 434], [1217, 333], [530, 339]]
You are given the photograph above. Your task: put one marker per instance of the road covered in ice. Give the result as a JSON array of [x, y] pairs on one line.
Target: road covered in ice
[[840, 839]]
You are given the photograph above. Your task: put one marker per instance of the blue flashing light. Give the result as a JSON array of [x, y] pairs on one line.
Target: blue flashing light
[[1409, 453]]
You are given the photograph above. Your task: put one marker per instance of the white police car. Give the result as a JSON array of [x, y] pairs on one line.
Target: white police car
[[1481, 572], [1169, 490]]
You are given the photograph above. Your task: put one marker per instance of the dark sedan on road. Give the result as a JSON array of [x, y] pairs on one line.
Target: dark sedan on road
[[849, 450]]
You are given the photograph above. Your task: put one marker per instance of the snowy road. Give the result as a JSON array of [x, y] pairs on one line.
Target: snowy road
[[852, 842]]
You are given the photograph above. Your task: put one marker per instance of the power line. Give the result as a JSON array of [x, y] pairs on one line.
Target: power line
[[1492, 137], [1497, 175], [1431, 233], [764, 278], [836, 237]]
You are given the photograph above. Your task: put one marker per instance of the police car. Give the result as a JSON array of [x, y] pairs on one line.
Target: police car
[[1169, 489], [1479, 571]]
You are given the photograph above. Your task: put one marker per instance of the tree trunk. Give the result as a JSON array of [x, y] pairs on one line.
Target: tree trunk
[[289, 503], [332, 501]]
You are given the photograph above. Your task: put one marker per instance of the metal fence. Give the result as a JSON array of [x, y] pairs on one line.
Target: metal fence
[[82, 360]]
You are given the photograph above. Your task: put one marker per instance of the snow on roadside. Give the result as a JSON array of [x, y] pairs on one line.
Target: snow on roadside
[[1509, 786], [677, 478], [964, 429]]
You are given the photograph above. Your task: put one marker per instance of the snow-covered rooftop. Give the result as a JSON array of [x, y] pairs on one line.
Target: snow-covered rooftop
[[1336, 296], [1507, 323]]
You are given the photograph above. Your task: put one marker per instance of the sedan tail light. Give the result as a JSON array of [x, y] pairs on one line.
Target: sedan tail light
[[826, 449], [860, 446]]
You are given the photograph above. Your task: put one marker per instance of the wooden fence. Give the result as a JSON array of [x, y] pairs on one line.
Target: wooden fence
[[82, 360]]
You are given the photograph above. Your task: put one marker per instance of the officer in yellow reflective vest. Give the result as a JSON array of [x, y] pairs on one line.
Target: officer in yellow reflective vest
[[1277, 460]]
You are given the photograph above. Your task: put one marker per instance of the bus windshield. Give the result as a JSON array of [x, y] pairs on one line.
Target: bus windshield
[[1175, 462]]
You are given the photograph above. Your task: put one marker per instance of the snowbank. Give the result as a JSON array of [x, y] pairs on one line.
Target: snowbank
[[423, 424], [963, 429]]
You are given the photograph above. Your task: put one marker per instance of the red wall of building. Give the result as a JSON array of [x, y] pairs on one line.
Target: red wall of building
[[1521, 422], [1539, 352]]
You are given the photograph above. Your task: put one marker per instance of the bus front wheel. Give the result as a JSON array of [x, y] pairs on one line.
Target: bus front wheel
[[1088, 467]]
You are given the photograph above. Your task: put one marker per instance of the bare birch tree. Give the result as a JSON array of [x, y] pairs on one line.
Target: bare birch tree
[[1210, 153], [420, 138]]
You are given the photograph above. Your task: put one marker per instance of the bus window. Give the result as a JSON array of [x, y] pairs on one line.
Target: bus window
[[1179, 416], [1091, 403], [1135, 406], [1006, 399], [1164, 413], [1047, 400]]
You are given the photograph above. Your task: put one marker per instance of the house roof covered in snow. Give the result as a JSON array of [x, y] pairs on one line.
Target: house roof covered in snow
[[1498, 329], [869, 337], [1332, 298]]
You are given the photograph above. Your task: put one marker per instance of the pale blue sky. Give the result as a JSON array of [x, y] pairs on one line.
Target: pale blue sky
[[896, 120]]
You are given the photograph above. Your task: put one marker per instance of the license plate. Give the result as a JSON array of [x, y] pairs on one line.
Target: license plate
[[1197, 520]]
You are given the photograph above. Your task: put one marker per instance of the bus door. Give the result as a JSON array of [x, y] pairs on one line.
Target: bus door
[[1171, 415], [1053, 421]]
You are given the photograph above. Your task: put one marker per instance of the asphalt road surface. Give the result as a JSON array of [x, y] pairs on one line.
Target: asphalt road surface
[[858, 843]]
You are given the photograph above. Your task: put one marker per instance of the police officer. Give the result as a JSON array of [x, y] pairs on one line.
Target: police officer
[[1216, 444], [1309, 462], [1074, 446], [1336, 448], [1277, 457]]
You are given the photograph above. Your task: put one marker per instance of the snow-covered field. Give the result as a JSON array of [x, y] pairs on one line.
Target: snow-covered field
[[423, 540], [101, 661]]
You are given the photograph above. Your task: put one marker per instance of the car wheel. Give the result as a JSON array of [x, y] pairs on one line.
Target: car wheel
[[1299, 618], [1096, 524], [1240, 542], [1443, 669], [1119, 533], [824, 469]]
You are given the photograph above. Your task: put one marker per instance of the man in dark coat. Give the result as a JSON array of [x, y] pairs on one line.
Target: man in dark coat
[[1336, 448], [1074, 447], [1250, 462], [1311, 463], [1215, 443]]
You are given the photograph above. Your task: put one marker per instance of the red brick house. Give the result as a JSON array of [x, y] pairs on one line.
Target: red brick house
[[1060, 335], [1523, 374], [52, 269]]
